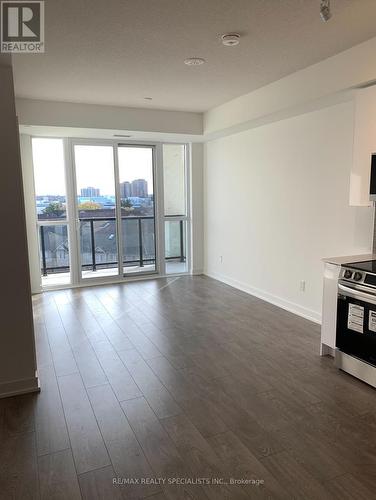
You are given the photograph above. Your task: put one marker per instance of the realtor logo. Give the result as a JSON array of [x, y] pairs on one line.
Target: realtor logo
[[22, 27]]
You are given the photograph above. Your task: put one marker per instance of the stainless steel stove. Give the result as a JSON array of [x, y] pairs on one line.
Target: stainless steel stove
[[356, 320]]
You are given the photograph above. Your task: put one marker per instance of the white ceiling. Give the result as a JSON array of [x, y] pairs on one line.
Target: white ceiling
[[120, 51]]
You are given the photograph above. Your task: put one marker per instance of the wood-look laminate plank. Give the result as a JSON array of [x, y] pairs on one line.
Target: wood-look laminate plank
[[109, 326], [160, 450], [57, 477], [336, 429], [50, 426], [189, 397], [294, 478], [173, 379], [348, 487], [42, 346], [144, 346], [18, 414], [88, 448], [152, 389], [259, 437], [200, 457], [169, 343], [314, 455], [92, 328], [62, 355], [2, 409], [241, 463], [158, 496], [116, 372], [74, 330], [98, 485], [364, 474], [90, 368], [185, 435], [125, 452], [157, 446], [18, 467]]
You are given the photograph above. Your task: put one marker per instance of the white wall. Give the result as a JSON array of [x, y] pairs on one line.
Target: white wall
[[17, 348], [91, 116], [276, 203]]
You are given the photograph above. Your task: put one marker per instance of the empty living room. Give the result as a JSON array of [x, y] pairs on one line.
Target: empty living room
[[188, 305]]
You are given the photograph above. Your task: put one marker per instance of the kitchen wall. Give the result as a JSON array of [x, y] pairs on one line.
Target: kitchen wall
[[277, 201]]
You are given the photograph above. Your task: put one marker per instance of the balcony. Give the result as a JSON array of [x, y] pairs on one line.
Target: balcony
[[99, 248]]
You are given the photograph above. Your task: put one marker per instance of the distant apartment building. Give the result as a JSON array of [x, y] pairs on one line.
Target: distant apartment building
[[89, 192], [139, 188], [125, 189]]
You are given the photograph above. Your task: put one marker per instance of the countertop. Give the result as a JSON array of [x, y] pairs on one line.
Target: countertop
[[349, 258]]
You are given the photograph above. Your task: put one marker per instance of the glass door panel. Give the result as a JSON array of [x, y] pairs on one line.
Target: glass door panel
[[175, 246], [136, 179], [175, 208], [51, 209], [96, 210], [54, 254]]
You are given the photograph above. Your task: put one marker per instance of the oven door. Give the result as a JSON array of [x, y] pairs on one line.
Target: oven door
[[356, 322]]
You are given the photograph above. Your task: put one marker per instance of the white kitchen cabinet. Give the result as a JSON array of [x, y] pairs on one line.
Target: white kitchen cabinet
[[329, 309], [364, 145]]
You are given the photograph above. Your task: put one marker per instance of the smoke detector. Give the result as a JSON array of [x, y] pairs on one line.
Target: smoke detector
[[230, 39], [194, 61]]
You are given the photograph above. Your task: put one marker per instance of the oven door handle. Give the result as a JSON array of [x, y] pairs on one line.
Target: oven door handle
[[356, 294]]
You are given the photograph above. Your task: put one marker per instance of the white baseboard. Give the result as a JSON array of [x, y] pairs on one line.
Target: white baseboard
[[16, 387], [268, 297]]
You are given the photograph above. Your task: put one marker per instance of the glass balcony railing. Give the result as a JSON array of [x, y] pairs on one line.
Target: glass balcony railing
[[98, 244]]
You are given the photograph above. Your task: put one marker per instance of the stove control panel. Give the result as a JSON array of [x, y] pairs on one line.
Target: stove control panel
[[352, 275]]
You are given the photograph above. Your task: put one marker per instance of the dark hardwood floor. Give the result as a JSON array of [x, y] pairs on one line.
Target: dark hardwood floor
[[187, 380]]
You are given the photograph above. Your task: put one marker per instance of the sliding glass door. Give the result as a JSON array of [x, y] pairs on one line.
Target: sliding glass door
[[96, 213], [115, 209], [136, 188], [107, 211]]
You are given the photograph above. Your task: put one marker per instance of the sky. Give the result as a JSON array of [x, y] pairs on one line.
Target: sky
[[94, 167]]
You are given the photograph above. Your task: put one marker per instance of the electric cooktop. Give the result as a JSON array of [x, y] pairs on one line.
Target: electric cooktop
[[368, 266]]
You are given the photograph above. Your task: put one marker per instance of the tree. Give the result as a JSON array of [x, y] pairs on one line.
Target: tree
[[89, 205], [127, 206], [54, 209], [126, 203]]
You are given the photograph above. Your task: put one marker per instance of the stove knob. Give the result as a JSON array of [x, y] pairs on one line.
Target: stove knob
[[358, 276], [347, 274]]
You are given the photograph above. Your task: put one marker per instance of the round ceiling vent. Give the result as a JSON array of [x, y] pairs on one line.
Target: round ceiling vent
[[194, 61], [230, 39]]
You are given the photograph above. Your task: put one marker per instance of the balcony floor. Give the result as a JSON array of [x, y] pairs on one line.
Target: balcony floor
[[63, 279]]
